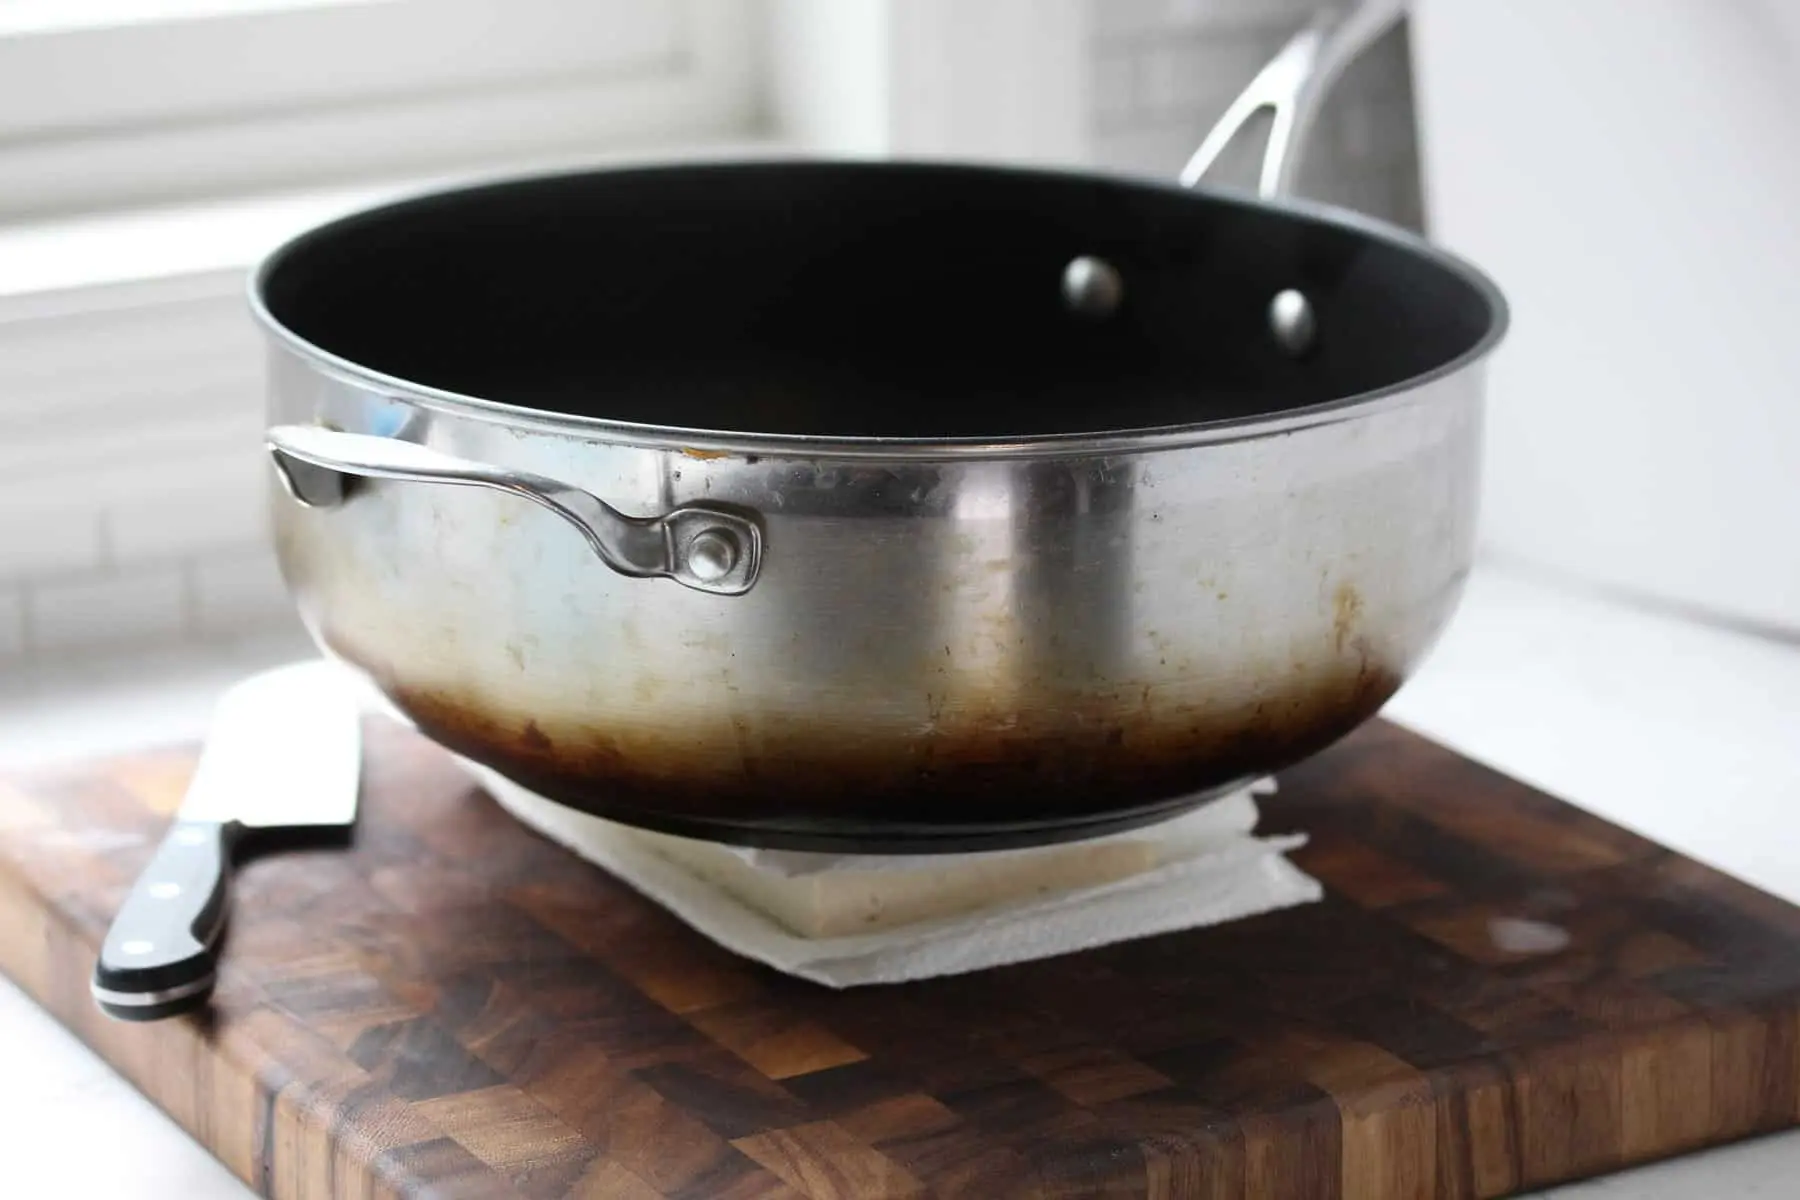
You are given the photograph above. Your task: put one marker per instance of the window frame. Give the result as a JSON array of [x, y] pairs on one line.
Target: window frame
[[210, 98]]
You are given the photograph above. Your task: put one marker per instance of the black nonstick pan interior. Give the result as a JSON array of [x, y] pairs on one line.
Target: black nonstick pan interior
[[868, 300]]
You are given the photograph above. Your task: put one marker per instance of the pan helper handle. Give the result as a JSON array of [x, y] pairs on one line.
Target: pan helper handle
[[1291, 87], [704, 547]]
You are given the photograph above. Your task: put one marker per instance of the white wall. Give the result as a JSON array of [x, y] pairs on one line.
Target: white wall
[[1629, 170]]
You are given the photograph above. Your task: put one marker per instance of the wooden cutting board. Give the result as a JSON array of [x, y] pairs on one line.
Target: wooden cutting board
[[1498, 992]]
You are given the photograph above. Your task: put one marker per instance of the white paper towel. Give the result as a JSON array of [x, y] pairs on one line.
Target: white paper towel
[[1223, 873]]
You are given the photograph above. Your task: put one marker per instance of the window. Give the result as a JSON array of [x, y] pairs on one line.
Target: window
[[108, 102], [150, 150]]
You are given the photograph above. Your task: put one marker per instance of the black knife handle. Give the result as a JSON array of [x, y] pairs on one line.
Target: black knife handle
[[157, 959]]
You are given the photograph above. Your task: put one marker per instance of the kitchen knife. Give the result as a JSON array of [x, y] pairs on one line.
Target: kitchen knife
[[283, 756]]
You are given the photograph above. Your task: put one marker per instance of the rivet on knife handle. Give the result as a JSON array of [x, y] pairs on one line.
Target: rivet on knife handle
[[157, 959]]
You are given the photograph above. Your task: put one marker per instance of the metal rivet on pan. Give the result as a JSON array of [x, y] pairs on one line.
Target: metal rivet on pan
[[1292, 322], [137, 947], [711, 555], [1092, 287]]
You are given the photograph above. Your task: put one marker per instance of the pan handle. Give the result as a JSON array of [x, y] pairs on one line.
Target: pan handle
[[707, 548], [1291, 87]]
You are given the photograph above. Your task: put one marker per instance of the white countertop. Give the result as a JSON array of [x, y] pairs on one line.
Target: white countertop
[[1688, 734]]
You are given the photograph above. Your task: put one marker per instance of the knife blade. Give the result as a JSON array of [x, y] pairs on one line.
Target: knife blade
[[283, 755]]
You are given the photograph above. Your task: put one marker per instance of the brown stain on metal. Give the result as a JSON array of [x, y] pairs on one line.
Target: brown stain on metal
[[1022, 747], [1346, 611], [703, 455], [1080, 755]]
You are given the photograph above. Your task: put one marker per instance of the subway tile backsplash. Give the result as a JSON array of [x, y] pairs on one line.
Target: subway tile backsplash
[[216, 512], [123, 608], [133, 487], [1164, 70], [48, 536], [237, 591], [1116, 17]]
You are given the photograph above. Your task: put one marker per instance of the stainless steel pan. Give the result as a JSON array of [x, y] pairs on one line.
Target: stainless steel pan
[[880, 505]]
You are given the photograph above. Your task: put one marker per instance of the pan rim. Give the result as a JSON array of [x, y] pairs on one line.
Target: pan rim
[[1412, 389]]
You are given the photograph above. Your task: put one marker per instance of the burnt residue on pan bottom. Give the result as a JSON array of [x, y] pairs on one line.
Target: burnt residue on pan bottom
[[1057, 769]]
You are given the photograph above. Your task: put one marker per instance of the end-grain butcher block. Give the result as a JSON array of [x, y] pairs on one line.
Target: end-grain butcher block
[[1497, 992]]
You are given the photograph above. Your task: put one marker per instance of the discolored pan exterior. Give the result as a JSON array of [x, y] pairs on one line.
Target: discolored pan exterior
[[991, 640], [1048, 642]]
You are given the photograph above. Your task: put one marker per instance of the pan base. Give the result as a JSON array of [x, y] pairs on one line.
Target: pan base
[[850, 836]]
